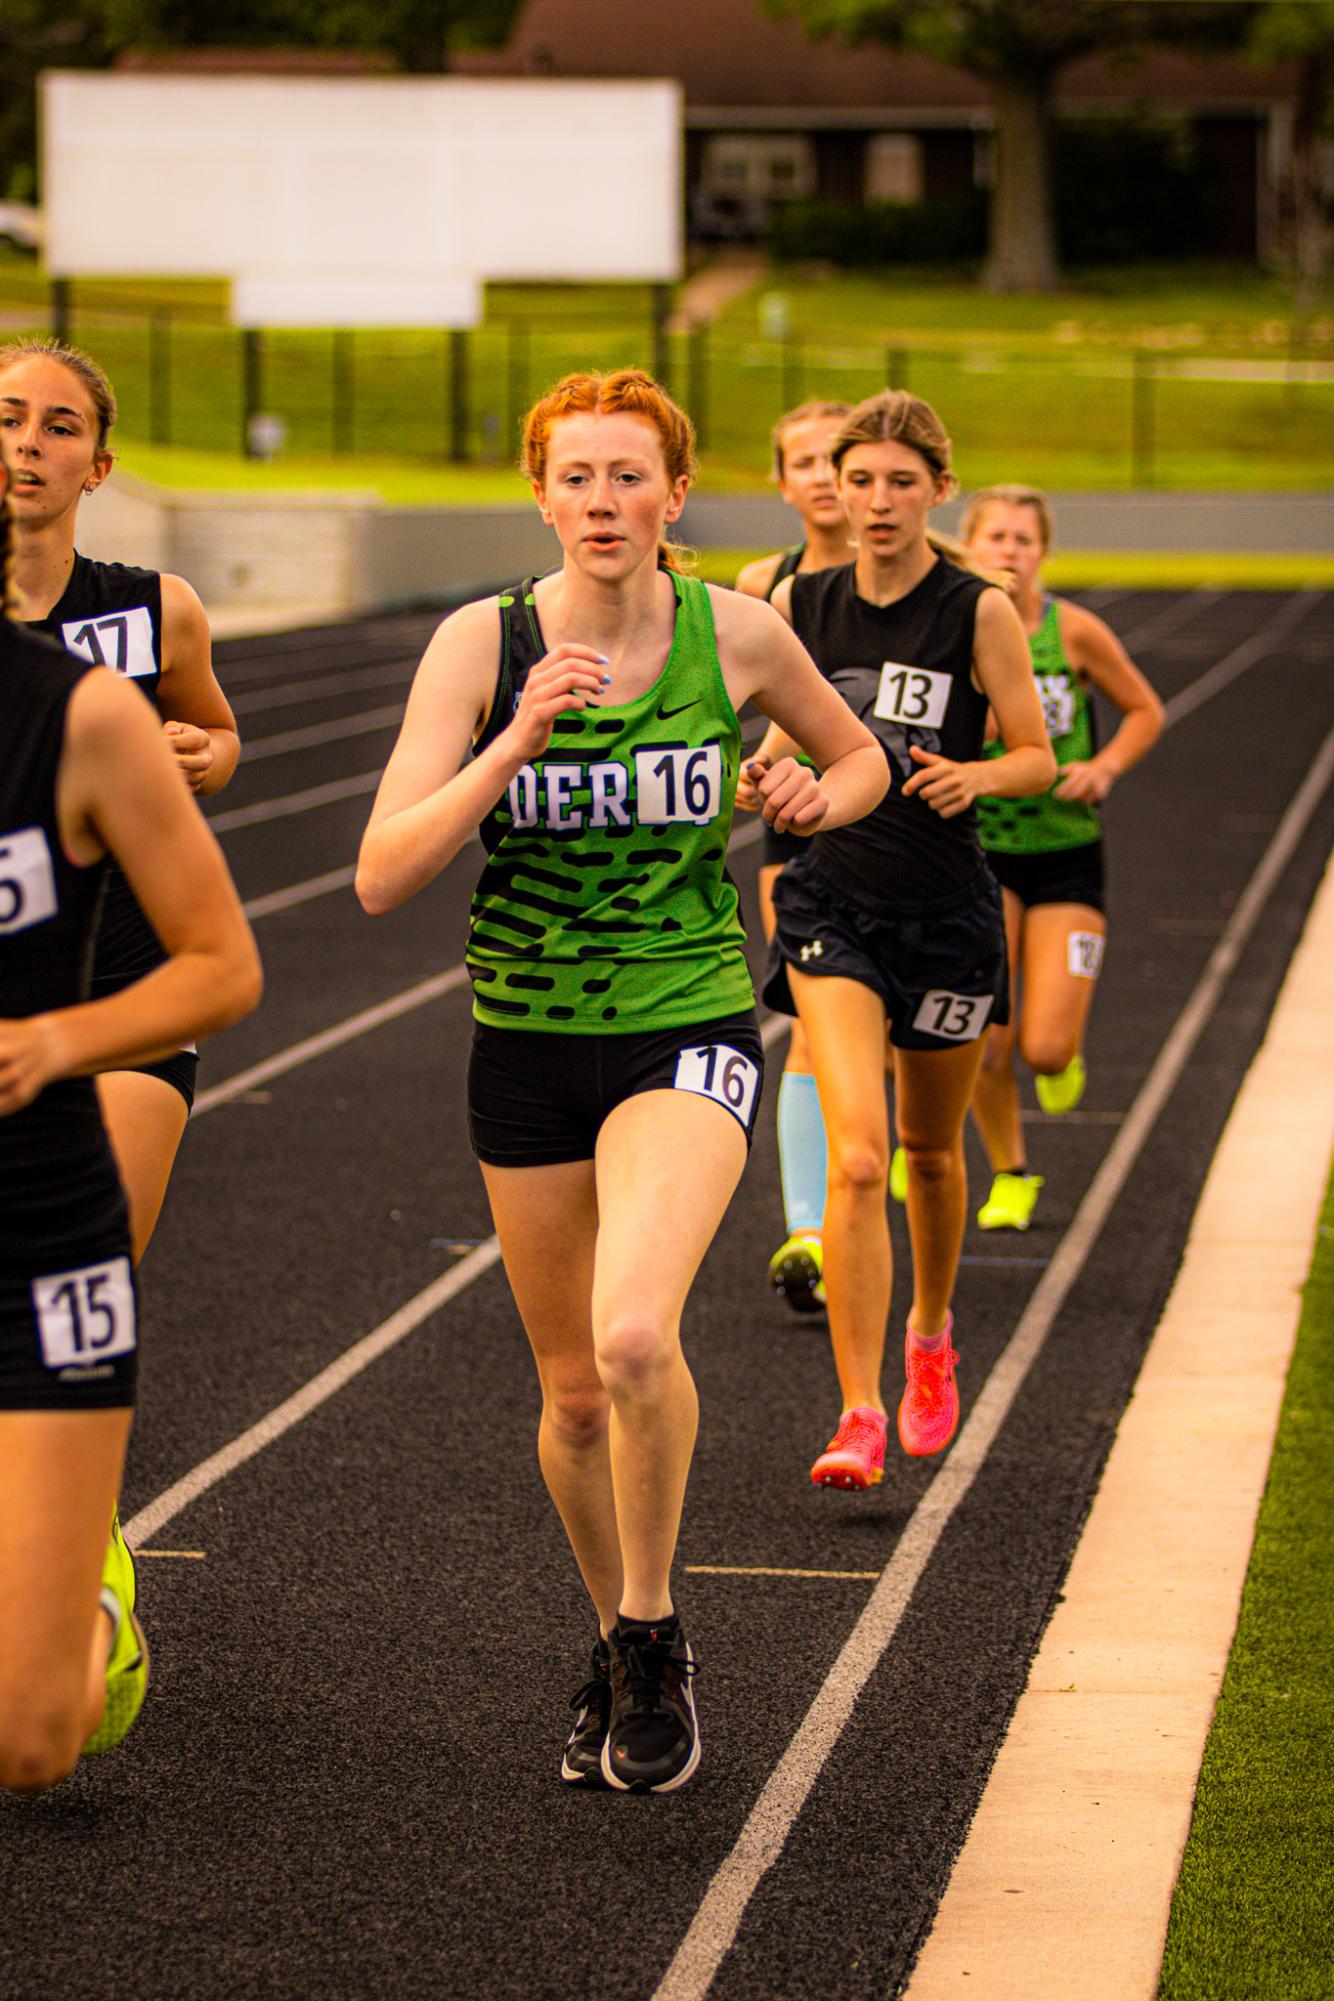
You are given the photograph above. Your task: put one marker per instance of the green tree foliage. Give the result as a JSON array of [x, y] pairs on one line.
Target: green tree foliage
[[1019, 48], [75, 34]]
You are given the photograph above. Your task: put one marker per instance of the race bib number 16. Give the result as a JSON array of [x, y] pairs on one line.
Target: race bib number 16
[[722, 1074]]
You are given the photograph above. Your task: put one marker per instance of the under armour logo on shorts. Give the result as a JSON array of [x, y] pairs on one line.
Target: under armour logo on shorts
[[813, 951]]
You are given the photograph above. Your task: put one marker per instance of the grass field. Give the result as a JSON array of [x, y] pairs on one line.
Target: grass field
[[1252, 1913], [1126, 379]]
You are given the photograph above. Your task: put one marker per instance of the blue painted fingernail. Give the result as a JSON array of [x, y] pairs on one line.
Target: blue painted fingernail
[[603, 660]]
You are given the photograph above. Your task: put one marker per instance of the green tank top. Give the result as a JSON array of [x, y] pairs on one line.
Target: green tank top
[[605, 905], [1045, 824]]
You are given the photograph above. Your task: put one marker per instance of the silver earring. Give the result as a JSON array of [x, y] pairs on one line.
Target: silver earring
[[90, 489]]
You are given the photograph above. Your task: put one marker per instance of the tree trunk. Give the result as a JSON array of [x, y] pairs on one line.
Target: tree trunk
[[1021, 255]]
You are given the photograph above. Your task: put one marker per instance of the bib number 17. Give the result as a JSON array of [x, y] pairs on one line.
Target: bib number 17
[[720, 1073]]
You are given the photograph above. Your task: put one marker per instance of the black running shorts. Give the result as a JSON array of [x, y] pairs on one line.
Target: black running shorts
[[536, 1098], [941, 973], [1066, 875], [125, 949], [69, 1337], [779, 849]]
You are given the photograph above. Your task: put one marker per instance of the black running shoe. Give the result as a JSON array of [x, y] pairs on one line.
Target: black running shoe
[[652, 1743], [582, 1763]]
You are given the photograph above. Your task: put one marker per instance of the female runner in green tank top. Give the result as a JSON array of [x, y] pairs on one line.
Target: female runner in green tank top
[[1046, 851], [615, 1064]]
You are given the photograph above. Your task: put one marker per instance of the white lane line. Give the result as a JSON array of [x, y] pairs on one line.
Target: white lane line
[[763, 1570], [181, 1555], [1232, 665], [329, 1381], [311, 1395], [342, 1032], [290, 693], [284, 742], [265, 810], [300, 892], [761, 1842]]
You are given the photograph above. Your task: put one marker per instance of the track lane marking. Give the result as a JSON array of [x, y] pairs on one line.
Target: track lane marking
[[764, 1570], [355, 680], [300, 892], [311, 736], [176, 1498], [760, 1845], [1225, 671]]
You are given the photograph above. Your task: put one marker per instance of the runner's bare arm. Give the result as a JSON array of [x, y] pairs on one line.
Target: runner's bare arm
[[1094, 650], [764, 662], [198, 722], [430, 799]]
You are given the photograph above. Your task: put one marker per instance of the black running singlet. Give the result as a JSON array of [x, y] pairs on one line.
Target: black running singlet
[[110, 615], [787, 567], [58, 1181], [906, 670]]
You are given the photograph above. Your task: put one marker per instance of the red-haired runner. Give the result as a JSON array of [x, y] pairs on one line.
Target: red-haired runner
[[586, 726]]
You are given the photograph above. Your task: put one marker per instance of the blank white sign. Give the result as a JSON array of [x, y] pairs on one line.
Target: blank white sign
[[417, 179]]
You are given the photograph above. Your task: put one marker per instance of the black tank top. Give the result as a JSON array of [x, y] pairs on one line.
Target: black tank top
[[906, 670], [110, 615], [59, 1189], [787, 567]]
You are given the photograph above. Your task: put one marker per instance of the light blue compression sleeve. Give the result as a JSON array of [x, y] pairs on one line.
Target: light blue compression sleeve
[[802, 1157]]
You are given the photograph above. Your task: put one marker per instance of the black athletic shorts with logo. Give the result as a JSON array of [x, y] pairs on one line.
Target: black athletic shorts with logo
[[779, 849], [536, 1098], [69, 1330], [1066, 875], [941, 973]]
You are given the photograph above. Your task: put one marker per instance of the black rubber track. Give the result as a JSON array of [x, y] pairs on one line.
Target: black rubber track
[[344, 1783]]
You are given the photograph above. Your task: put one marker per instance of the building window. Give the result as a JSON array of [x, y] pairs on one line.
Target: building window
[[894, 167], [759, 166]]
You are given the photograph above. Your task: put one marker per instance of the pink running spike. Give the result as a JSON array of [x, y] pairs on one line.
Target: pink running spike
[[855, 1455], [929, 1407]]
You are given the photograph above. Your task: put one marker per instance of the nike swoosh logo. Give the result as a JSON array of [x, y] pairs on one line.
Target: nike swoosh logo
[[665, 715]]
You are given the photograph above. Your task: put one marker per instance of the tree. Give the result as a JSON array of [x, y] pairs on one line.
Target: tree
[[77, 34], [1303, 31], [1019, 48]]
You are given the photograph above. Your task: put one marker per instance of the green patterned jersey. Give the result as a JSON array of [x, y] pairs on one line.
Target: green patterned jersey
[[1046, 824], [605, 905]]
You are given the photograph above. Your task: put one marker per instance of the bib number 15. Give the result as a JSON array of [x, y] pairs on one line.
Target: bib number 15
[[720, 1073], [86, 1316]]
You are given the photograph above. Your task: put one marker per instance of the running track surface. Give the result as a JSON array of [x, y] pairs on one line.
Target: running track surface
[[344, 1784]]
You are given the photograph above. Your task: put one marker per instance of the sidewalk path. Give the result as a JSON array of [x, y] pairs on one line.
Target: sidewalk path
[[1073, 1856]]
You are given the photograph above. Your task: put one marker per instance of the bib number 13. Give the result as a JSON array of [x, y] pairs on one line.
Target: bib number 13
[[86, 1316], [953, 1017], [720, 1073], [913, 696]]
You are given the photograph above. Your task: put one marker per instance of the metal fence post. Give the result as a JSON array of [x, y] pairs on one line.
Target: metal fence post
[[252, 388], [661, 312], [343, 424], [458, 395], [516, 380], [159, 376], [62, 308], [793, 371], [1142, 418], [697, 393]]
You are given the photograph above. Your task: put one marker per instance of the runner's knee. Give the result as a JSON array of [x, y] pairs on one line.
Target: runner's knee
[[997, 1050], [635, 1351], [859, 1165], [576, 1416], [930, 1164]]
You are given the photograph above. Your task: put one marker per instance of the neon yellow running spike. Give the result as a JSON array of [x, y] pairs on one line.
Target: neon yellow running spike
[[796, 1271], [1062, 1092], [898, 1174], [127, 1662], [1010, 1203]]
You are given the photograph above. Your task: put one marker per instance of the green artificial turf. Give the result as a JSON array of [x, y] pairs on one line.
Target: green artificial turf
[[1254, 1908]]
